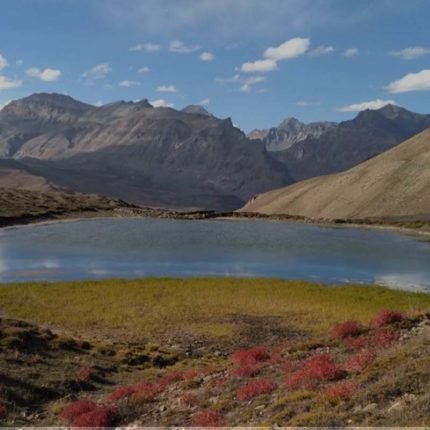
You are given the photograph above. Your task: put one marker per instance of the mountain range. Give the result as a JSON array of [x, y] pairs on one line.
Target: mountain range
[[323, 148], [289, 132], [141, 154], [179, 159], [393, 185]]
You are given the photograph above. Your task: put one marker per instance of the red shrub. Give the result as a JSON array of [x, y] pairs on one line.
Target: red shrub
[[357, 342], [276, 354], [100, 417], [74, 410], [86, 373], [250, 356], [341, 391], [218, 382], [190, 374], [385, 317], [3, 410], [299, 379], [173, 376], [384, 338], [359, 361], [322, 366], [347, 329], [188, 399], [245, 370], [255, 388], [122, 393], [149, 390], [208, 418], [146, 390], [316, 369]]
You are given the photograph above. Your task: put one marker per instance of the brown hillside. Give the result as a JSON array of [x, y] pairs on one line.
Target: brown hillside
[[393, 184]]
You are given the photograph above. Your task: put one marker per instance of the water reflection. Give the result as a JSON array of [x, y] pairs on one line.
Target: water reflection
[[137, 248]]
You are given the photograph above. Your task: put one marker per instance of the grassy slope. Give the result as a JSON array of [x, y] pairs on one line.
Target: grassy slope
[[150, 307], [40, 370]]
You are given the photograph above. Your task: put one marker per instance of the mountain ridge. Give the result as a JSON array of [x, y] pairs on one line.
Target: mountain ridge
[[351, 142], [392, 184], [289, 132], [163, 157], [138, 153]]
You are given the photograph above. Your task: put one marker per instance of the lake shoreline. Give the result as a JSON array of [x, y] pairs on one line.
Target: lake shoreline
[[402, 227]]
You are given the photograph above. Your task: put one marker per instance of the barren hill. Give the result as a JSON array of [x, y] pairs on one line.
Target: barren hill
[[393, 184], [15, 175]]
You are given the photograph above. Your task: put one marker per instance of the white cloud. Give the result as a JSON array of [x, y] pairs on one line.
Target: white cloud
[[321, 50], [179, 47], [248, 83], [33, 72], [99, 71], [288, 50], [127, 84], [411, 82], [307, 104], [259, 66], [8, 83], [144, 70], [161, 103], [204, 102], [167, 89], [373, 104], [3, 62], [410, 53], [98, 103], [207, 56], [48, 75], [146, 47], [350, 52], [235, 78]]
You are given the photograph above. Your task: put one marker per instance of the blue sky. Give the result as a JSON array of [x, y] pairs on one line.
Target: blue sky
[[257, 61]]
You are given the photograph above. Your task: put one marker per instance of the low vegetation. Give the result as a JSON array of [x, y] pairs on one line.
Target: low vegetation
[[208, 306], [364, 364]]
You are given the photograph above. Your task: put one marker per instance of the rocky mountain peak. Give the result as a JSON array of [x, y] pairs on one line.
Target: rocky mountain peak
[[388, 112], [53, 107], [392, 111], [144, 103], [53, 100], [196, 110], [289, 132], [291, 123]]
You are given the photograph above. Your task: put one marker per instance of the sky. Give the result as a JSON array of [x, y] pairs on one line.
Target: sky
[[256, 61]]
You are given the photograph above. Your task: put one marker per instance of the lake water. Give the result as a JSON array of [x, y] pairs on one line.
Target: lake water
[[131, 248]]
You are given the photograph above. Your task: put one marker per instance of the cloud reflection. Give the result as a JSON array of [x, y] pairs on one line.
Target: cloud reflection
[[408, 282]]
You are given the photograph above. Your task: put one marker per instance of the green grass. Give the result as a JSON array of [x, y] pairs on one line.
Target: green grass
[[149, 307]]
